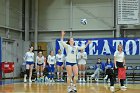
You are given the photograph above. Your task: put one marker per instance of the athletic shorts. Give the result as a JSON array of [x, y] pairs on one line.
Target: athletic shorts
[[81, 63], [70, 64], [29, 62], [40, 64], [119, 64], [59, 63], [51, 68]]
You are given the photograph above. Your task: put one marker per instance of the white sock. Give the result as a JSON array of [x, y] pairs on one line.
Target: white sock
[[25, 76]]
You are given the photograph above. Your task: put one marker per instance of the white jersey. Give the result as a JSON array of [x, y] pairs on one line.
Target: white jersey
[[60, 57], [29, 56], [71, 52], [119, 56], [82, 57], [40, 60], [51, 59]]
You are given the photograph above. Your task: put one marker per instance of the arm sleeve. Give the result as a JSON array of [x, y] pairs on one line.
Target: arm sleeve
[[43, 60], [64, 58], [64, 44], [36, 61], [78, 56], [56, 57], [85, 55], [95, 66], [54, 60], [124, 54], [48, 60], [33, 56], [115, 53], [25, 56]]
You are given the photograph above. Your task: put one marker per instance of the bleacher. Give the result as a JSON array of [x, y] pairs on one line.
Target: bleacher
[[132, 62]]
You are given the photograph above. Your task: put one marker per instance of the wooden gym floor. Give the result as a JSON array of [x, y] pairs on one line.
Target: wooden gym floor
[[20, 87]]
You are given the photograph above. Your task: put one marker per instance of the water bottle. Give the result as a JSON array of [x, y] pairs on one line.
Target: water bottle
[[88, 79]]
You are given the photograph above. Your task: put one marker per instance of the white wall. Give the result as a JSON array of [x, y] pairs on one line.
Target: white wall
[[55, 14], [99, 14], [15, 14]]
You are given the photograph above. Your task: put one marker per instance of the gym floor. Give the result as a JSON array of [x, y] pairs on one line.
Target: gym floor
[[17, 86]]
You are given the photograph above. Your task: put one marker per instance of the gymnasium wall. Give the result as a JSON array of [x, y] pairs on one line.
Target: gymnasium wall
[[55, 14], [11, 32], [15, 14], [13, 51], [11, 19], [2, 12]]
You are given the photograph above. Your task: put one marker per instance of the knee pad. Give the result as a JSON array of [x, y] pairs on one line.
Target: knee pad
[[41, 73], [37, 73], [57, 73], [27, 66], [27, 72]]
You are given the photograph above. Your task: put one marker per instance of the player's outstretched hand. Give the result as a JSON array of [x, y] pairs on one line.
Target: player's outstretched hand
[[89, 41], [62, 33]]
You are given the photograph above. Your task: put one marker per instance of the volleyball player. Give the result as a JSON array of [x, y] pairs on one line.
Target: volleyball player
[[51, 61], [71, 64], [29, 58], [40, 66], [82, 57], [60, 58]]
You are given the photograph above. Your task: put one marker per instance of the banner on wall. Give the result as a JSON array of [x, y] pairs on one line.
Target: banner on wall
[[106, 46]]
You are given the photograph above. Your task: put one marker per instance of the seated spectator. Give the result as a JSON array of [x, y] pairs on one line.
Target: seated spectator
[[99, 68], [108, 68]]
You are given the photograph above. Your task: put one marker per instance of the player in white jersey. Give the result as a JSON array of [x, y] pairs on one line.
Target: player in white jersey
[[40, 64], [51, 61], [29, 58], [60, 58], [81, 57], [71, 64]]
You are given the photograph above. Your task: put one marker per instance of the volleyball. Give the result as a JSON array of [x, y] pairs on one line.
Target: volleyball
[[84, 21]]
